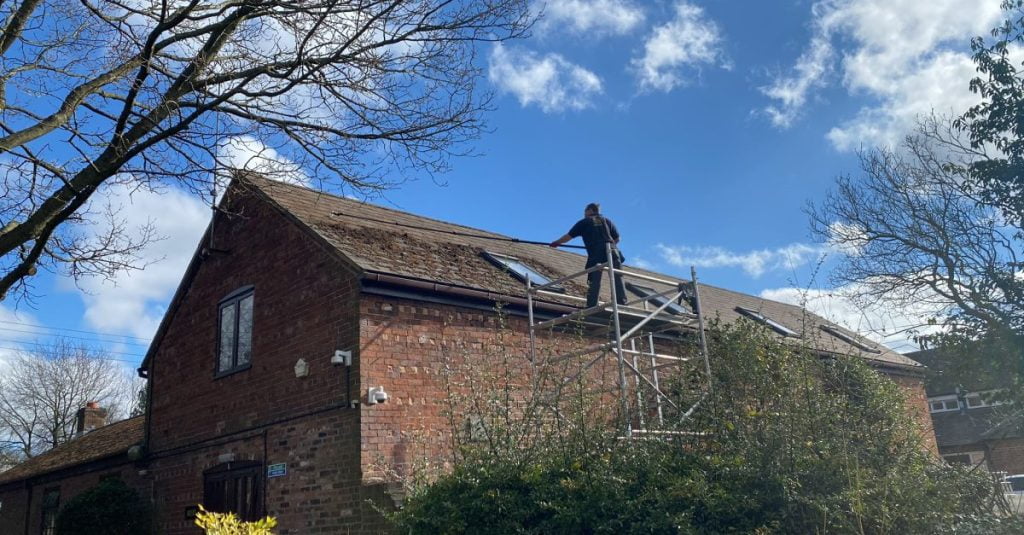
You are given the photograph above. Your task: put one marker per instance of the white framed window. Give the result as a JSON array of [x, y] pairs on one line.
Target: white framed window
[[969, 458], [979, 400], [943, 404]]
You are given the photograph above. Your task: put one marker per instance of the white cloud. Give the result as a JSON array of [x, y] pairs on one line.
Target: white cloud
[[14, 331], [884, 322], [591, 17], [249, 153], [792, 92], [940, 84], [641, 263], [754, 263], [909, 56], [846, 238], [133, 302], [688, 40], [549, 81]]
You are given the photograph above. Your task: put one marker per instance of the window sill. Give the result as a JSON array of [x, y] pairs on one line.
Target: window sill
[[232, 371]]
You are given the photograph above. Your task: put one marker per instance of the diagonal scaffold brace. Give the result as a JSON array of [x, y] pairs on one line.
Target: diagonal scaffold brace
[[631, 334]]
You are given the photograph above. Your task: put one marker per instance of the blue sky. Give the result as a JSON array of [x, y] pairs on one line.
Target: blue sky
[[702, 127]]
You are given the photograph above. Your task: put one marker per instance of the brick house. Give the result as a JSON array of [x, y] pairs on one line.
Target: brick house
[[970, 426], [294, 306], [32, 492]]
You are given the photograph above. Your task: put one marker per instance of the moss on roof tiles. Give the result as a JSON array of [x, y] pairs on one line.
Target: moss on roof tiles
[[106, 441], [432, 253]]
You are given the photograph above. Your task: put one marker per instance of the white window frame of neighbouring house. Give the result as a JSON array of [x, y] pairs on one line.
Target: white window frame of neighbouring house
[[943, 404], [973, 458]]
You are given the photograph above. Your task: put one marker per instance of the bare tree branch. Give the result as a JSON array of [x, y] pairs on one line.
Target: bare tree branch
[[359, 93], [42, 391]]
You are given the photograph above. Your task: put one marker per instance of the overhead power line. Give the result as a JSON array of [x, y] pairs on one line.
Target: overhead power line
[[82, 338], [127, 361], [65, 329], [44, 346]]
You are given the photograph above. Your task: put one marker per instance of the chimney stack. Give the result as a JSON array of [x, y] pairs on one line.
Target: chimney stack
[[89, 418]]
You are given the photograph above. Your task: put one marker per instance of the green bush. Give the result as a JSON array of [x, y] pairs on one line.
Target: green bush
[[786, 442], [111, 507]]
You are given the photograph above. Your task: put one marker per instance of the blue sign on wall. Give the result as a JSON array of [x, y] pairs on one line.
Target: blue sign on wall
[[277, 470]]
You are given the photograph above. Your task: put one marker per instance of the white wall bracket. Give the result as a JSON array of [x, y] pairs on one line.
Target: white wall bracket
[[341, 357]]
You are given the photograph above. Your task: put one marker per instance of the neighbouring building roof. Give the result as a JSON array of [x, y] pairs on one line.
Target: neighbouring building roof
[[379, 240], [967, 425], [973, 426], [943, 377], [107, 441]]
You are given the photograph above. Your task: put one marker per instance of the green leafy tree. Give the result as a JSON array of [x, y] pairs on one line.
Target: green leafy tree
[[996, 125], [787, 442]]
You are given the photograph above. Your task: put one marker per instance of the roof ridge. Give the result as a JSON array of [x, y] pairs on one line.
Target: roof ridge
[[374, 205], [102, 428]]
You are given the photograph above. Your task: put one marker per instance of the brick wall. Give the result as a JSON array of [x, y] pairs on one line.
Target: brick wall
[[1007, 455], [320, 492], [13, 501], [305, 306], [917, 404], [70, 483], [405, 346]]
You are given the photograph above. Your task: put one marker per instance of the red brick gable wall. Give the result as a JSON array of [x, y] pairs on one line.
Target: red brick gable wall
[[305, 307]]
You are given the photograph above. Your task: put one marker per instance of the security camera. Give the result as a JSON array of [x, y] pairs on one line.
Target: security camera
[[376, 395], [341, 357]]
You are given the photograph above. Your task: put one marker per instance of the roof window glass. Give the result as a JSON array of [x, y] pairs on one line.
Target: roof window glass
[[520, 270], [761, 318], [644, 291], [849, 339]]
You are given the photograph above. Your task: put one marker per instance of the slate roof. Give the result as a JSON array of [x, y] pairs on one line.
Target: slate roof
[[380, 240], [943, 377], [973, 426], [107, 441], [969, 426]]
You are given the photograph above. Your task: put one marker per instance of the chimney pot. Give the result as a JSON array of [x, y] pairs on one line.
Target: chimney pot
[[89, 418]]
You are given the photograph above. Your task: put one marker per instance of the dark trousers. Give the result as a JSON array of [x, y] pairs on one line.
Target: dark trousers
[[594, 282]]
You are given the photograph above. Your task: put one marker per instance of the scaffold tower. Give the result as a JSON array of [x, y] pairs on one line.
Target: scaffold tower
[[630, 334]]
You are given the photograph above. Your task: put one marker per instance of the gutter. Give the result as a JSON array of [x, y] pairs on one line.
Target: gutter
[[474, 293], [462, 291]]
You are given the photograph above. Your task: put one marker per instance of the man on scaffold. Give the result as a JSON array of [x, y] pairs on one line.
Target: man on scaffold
[[597, 232]]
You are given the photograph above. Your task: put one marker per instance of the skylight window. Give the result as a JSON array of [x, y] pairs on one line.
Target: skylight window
[[761, 318], [520, 270], [644, 291], [849, 339]]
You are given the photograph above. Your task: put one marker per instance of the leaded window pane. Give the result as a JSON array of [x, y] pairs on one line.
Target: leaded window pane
[[227, 337], [245, 330]]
